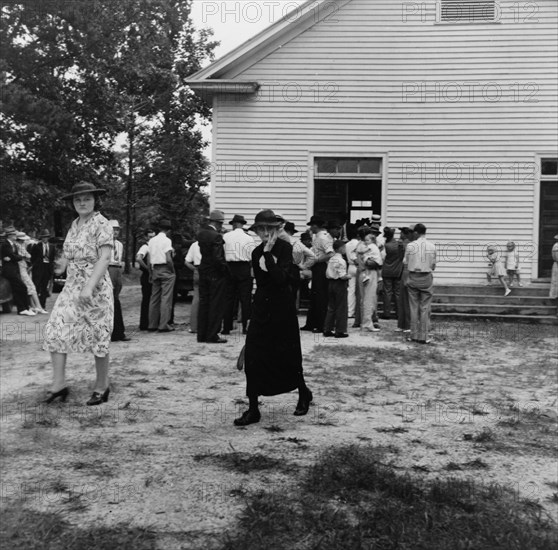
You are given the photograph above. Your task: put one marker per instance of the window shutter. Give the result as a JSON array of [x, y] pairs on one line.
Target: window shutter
[[467, 11]]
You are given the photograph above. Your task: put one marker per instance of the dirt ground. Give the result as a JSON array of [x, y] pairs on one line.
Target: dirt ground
[[163, 452]]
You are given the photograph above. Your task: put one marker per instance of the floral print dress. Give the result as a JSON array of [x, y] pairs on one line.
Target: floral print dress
[[75, 327]]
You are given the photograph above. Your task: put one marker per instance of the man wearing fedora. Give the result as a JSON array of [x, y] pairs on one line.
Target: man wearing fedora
[[10, 271], [214, 272], [163, 276], [42, 265], [322, 247], [115, 271], [238, 253]]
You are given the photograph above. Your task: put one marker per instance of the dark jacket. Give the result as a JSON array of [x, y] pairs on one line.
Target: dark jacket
[[37, 254], [273, 356], [10, 259], [212, 252], [393, 263]]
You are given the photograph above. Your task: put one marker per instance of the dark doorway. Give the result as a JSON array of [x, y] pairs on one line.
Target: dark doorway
[[357, 198], [548, 214], [348, 187]]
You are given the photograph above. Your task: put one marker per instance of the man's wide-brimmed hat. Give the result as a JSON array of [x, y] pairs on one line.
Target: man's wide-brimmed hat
[[265, 217], [44, 233], [10, 230], [84, 187], [316, 220], [290, 228], [237, 218], [20, 235], [375, 230], [216, 216]]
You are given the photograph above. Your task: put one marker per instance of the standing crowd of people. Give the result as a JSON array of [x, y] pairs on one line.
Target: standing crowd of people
[[339, 266]]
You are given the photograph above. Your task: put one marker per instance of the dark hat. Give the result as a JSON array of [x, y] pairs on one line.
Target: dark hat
[[44, 233], [290, 228], [238, 219], [265, 217], [419, 228], [406, 229], [84, 187], [389, 230], [316, 220], [10, 230], [216, 216], [375, 230], [165, 224]]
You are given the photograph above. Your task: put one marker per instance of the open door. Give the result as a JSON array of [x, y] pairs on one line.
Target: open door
[[347, 187]]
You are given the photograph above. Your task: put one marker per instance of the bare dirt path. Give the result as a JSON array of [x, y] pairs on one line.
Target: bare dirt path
[[163, 452]]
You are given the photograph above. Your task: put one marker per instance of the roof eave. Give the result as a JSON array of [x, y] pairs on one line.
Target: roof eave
[[307, 12]]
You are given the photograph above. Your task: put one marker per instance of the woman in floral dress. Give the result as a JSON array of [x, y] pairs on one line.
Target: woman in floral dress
[[82, 317]]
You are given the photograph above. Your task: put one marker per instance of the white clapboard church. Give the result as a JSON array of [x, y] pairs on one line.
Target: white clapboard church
[[435, 111]]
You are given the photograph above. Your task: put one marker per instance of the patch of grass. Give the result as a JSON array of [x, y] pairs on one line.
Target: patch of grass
[[24, 529], [484, 436], [274, 428], [392, 430], [243, 462], [357, 358], [95, 467], [350, 499]]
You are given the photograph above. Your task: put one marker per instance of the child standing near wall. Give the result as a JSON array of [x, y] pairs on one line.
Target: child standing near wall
[[496, 269], [512, 264]]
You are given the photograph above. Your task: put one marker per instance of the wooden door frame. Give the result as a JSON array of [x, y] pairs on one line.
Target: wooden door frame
[[353, 154], [537, 211]]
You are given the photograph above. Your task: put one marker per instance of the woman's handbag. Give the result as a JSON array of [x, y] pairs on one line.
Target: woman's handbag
[[240, 360]]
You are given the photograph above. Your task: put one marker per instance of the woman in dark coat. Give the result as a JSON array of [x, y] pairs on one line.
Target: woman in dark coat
[[273, 356]]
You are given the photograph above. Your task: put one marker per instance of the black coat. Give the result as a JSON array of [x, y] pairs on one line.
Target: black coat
[[36, 252], [273, 356], [212, 252], [10, 259]]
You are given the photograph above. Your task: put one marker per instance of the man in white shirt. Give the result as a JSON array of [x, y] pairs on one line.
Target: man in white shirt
[[238, 253], [162, 276], [350, 252], [192, 261], [420, 259], [115, 271]]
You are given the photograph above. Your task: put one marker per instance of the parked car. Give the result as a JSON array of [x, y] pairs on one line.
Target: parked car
[[184, 283]]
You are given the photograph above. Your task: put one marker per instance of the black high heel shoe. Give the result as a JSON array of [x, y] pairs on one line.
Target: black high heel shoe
[[98, 398], [62, 394], [303, 403]]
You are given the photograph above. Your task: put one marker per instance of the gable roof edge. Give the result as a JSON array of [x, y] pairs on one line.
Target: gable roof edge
[[305, 16]]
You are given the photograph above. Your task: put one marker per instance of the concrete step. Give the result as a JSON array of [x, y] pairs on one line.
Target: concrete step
[[531, 319], [493, 290], [511, 299], [496, 309]]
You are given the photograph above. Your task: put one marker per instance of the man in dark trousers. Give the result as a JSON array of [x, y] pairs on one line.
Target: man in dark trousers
[[115, 272], [10, 271], [42, 265], [214, 274], [322, 246]]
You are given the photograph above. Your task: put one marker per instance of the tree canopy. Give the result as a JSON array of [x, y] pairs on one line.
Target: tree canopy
[[85, 84]]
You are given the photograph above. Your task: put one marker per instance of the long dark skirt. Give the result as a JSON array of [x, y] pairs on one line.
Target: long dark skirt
[[273, 356]]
